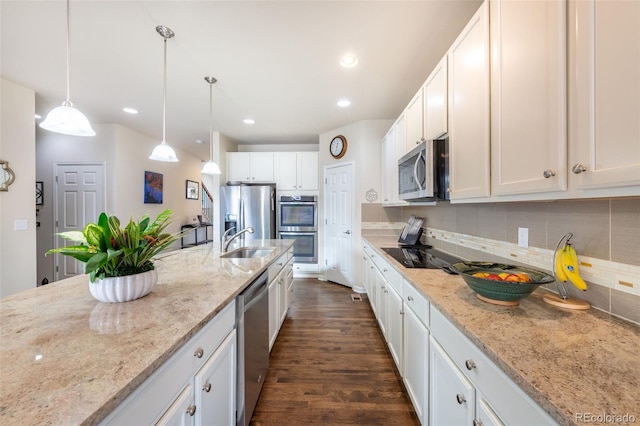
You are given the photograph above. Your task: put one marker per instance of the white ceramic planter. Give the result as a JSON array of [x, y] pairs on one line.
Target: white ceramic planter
[[124, 289]]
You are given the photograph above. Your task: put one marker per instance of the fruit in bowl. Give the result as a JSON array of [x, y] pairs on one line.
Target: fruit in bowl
[[501, 283]]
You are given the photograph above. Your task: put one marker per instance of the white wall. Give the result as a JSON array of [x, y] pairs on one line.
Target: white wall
[[17, 146], [364, 140]]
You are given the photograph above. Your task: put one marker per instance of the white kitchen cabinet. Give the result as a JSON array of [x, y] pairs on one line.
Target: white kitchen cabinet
[[604, 95], [395, 333], [289, 285], [171, 395], [416, 362], [500, 398], [274, 312], [280, 281], [468, 110], [414, 125], [381, 301], [252, 167], [393, 147], [528, 96], [296, 171], [435, 102]]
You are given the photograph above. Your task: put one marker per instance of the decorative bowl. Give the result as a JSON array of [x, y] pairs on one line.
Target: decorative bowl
[[500, 283]]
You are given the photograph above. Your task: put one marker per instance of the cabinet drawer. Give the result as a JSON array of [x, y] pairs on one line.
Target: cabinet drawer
[[510, 402], [392, 276], [277, 265], [416, 301]]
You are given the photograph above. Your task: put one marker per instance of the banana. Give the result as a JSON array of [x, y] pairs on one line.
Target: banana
[[570, 264], [559, 266]]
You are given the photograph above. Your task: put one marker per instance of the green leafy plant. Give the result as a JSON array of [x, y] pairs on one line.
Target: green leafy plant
[[108, 250]]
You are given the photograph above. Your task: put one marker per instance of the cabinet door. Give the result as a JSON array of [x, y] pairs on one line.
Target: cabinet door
[[274, 316], [528, 96], [394, 326], [285, 170], [307, 171], [452, 397], [282, 296], [239, 166], [416, 362], [469, 109], [262, 167], [215, 386], [604, 94], [414, 116], [484, 413], [389, 167], [181, 412], [289, 282], [435, 102], [381, 301]]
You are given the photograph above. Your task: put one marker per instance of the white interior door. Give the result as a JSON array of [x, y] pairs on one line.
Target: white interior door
[[338, 235], [80, 198]]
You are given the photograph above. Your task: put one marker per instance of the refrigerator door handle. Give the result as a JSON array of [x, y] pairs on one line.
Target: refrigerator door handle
[[241, 220]]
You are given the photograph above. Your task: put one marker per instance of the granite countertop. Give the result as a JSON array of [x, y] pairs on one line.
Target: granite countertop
[[66, 358], [569, 362]]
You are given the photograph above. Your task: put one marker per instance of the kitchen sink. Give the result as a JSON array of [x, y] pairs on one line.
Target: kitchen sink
[[247, 252]]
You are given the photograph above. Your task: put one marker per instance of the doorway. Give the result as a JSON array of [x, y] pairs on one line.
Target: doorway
[[79, 198], [338, 230]]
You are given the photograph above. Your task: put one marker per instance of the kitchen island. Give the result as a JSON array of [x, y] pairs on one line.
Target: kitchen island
[[66, 358], [578, 366]]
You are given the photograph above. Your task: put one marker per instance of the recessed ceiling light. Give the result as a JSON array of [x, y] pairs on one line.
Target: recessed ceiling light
[[249, 121], [130, 110], [349, 61], [38, 116], [344, 103]]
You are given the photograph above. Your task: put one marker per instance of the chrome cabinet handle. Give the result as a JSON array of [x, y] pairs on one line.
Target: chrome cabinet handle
[[347, 232], [461, 399], [191, 410], [207, 387], [470, 364], [409, 298], [548, 173], [578, 168], [384, 270], [477, 422], [198, 353]]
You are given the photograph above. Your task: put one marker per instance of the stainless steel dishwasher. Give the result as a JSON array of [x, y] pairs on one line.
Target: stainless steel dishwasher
[[253, 346]]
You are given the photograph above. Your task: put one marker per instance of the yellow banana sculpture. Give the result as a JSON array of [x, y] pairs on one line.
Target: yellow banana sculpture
[[569, 260]]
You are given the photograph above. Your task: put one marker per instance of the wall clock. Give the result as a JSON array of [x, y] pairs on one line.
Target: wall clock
[[338, 146]]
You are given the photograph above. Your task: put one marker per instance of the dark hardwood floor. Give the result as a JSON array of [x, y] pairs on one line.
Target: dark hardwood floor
[[330, 365]]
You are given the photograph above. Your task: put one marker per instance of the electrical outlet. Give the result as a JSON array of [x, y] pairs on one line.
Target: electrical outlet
[[523, 237]]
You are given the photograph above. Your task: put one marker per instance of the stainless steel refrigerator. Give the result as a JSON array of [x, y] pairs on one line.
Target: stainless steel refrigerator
[[249, 205]]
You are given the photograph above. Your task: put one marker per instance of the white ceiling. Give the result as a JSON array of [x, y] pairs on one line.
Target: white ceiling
[[276, 62]]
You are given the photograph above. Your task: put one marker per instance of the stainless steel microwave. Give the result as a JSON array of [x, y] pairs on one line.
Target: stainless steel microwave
[[423, 172]]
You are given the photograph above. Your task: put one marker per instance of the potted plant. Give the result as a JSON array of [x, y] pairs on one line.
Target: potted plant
[[119, 259]]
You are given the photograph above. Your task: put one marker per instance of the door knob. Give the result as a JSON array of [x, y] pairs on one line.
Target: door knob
[[347, 232]]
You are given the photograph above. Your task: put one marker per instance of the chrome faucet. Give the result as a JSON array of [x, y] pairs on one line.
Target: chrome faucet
[[226, 243]]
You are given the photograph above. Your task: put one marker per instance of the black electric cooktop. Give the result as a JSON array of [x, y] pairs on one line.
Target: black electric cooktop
[[423, 256]]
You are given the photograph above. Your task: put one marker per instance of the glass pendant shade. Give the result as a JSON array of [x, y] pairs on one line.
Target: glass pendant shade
[[67, 120], [163, 152], [210, 168]]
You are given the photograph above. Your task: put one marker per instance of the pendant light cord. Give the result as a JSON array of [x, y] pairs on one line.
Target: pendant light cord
[[211, 121], [164, 94], [68, 101]]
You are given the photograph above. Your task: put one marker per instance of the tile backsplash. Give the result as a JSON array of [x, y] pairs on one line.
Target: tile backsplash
[[605, 229]]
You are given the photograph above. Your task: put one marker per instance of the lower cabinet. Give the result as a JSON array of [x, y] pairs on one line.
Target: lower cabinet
[[196, 386], [280, 291], [416, 362]]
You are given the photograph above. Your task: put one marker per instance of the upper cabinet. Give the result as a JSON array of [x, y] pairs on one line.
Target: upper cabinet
[[392, 149], [414, 126], [252, 167], [468, 91], [435, 102], [604, 94], [296, 171], [528, 96]]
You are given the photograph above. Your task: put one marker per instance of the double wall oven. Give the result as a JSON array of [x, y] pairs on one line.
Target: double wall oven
[[298, 219]]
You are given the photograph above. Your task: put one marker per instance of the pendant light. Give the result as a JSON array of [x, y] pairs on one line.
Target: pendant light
[[210, 167], [162, 151], [66, 119]]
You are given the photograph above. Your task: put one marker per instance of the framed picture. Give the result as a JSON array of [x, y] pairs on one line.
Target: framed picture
[[39, 194], [193, 188], [152, 188]]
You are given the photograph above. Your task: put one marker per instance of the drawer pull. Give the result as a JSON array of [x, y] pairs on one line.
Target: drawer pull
[[191, 410], [207, 387], [461, 399], [409, 298], [470, 364], [199, 353], [384, 270], [477, 422]]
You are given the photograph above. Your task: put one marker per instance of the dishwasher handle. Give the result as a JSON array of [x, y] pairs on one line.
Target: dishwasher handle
[[254, 292]]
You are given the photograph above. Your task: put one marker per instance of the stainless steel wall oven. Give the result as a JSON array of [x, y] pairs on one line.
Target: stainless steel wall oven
[[298, 219]]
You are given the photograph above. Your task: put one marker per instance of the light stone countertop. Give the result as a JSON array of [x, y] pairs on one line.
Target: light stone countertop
[[66, 358], [569, 362]]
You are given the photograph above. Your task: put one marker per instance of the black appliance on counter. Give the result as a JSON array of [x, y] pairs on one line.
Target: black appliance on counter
[[423, 256]]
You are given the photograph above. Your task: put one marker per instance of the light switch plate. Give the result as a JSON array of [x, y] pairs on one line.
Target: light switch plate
[[20, 225], [523, 237]]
